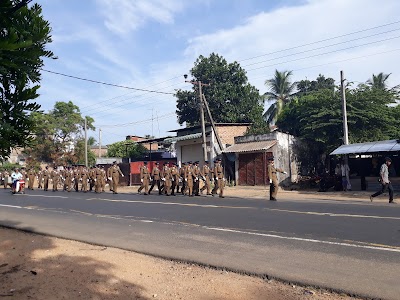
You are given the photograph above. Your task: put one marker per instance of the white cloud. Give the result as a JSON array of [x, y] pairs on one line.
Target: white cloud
[[124, 16], [287, 27]]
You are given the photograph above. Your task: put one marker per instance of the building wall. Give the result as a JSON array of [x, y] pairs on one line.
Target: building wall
[[228, 133], [103, 151]]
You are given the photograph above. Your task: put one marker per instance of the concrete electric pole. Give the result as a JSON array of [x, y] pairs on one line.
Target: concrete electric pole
[[202, 122]]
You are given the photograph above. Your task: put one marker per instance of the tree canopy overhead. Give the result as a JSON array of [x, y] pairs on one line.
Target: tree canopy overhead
[[58, 133], [230, 97], [23, 41]]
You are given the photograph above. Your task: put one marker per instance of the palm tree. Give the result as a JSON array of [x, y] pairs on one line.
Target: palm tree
[[281, 91], [378, 81]]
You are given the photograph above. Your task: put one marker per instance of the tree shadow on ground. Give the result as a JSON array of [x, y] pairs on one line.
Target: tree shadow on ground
[[43, 269]]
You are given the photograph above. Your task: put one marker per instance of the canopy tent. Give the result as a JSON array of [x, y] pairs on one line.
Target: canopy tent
[[370, 147]]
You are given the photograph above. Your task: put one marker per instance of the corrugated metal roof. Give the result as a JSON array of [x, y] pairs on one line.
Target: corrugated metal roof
[[252, 146], [370, 147], [183, 137]]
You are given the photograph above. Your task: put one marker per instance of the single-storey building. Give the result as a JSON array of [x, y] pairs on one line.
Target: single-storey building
[[250, 154]]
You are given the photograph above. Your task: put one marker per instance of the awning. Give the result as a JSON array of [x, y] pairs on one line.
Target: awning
[[183, 138], [249, 147], [370, 147]]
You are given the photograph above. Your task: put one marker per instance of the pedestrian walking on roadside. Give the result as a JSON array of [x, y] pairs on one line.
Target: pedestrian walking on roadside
[[273, 179], [386, 185]]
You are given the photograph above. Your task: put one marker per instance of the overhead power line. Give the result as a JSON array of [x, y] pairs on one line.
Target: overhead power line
[[321, 41], [109, 84]]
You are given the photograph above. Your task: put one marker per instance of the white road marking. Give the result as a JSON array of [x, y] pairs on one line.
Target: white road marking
[[47, 196], [247, 207], [364, 246], [386, 248], [14, 206]]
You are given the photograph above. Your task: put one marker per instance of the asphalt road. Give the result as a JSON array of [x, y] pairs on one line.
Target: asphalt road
[[347, 246]]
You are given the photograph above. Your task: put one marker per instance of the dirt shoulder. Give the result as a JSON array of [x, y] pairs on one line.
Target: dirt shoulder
[[40, 267]]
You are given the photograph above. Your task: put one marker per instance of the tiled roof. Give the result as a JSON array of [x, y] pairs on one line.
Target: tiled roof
[[251, 146]]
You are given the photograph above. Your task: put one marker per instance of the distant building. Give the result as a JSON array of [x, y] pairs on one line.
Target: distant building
[[103, 150], [150, 146]]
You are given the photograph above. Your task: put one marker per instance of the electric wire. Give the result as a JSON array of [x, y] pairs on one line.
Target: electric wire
[[321, 41], [105, 83]]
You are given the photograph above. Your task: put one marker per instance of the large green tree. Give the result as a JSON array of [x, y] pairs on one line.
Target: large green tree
[[57, 133], [127, 148], [307, 86], [230, 97], [317, 117], [281, 92], [24, 35]]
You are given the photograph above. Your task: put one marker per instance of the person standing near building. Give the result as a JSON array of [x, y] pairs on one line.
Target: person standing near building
[[205, 173], [144, 178], [385, 181], [345, 170], [155, 177], [273, 179]]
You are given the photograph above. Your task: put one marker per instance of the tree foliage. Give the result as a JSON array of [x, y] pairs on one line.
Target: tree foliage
[[57, 134], [281, 92], [23, 41], [230, 97], [317, 117], [127, 148]]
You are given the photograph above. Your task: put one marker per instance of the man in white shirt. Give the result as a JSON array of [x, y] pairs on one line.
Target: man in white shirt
[[16, 177], [384, 180]]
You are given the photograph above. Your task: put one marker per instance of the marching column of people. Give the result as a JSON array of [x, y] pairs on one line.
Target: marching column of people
[[169, 179]]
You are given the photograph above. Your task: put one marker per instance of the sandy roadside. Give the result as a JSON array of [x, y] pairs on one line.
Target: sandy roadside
[[40, 267]]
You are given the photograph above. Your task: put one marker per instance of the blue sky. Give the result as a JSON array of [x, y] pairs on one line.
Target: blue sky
[[150, 44]]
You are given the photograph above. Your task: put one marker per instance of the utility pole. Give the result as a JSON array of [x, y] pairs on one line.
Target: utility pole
[[86, 148], [202, 122], [344, 110], [345, 128], [99, 142]]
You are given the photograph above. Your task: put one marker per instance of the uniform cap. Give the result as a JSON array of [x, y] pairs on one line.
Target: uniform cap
[[145, 162], [270, 158], [157, 163], [206, 161]]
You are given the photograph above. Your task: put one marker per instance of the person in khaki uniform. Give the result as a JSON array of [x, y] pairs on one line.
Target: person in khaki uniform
[[144, 178], [98, 176], [219, 174], [182, 176], [85, 179], [55, 177], [103, 179], [189, 179], [46, 177], [273, 179], [40, 179], [167, 178], [196, 178], [67, 179], [175, 178], [76, 176], [205, 173], [6, 175], [31, 178], [155, 176], [115, 173]]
